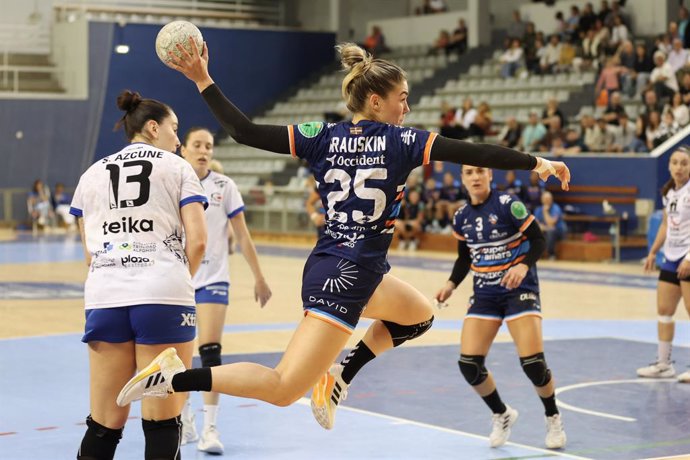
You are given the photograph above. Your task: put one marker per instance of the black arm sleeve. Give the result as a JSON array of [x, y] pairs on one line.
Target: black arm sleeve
[[265, 137], [537, 243], [462, 264], [484, 155]]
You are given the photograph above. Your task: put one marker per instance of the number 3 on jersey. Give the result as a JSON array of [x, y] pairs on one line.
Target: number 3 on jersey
[[361, 191], [142, 178]]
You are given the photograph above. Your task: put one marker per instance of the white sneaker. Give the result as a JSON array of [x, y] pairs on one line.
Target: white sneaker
[[412, 246], [501, 426], [189, 433], [657, 371], [154, 381], [327, 394], [209, 441], [555, 435], [684, 377]]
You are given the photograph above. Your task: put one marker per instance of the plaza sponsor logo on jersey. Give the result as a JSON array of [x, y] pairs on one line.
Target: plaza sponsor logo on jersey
[[128, 225], [131, 261]]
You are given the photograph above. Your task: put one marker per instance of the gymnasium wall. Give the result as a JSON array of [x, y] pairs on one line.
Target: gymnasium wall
[[61, 138]]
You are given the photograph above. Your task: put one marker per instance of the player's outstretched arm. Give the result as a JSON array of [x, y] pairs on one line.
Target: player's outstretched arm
[[495, 156], [195, 67]]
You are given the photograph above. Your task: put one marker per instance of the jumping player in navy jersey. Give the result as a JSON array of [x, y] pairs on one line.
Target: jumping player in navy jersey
[[500, 241], [361, 167]]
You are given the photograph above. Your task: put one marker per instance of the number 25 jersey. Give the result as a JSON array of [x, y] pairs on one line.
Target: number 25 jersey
[[130, 202], [360, 172]]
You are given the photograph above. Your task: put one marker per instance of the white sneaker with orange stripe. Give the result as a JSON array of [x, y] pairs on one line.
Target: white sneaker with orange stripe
[[328, 392]]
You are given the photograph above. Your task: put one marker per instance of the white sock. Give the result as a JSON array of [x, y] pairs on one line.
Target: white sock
[[187, 413], [664, 353], [210, 415]]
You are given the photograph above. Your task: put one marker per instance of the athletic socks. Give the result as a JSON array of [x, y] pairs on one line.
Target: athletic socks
[[493, 400], [550, 405], [355, 361], [198, 379], [664, 353], [210, 415]]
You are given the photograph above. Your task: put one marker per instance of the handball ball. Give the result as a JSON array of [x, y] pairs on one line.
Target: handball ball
[[177, 32]]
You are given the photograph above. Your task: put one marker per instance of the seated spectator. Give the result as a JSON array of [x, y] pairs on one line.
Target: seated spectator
[[679, 109], [447, 122], [458, 41], [663, 78], [678, 57], [600, 136], [614, 110], [684, 89], [600, 39], [510, 133], [516, 29], [551, 110], [663, 43], [639, 142], [573, 22], [481, 126], [591, 50], [586, 22], [642, 68], [683, 20], [375, 43], [534, 63], [619, 34], [39, 205], [451, 198], [560, 27], [511, 59], [464, 117], [513, 186], [655, 136], [623, 135], [571, 144], [604, 11], [552, 54], [667, 128], [442, 43], [533, 192], [566, 61], [550, 218], [533, 133], [651, 103], [409, 224], [61, 204], [555, 131], [431, 197]]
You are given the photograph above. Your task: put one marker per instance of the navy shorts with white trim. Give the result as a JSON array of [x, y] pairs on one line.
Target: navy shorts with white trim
[[507, 307]]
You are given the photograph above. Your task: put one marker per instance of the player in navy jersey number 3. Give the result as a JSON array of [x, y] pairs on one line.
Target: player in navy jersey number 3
[[133, 208], [500, 241], [360, 167]]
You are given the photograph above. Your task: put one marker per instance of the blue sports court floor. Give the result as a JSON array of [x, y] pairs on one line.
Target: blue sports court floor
[[411, 403]]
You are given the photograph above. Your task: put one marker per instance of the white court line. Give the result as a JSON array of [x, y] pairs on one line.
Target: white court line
[[404, 421], [602, 382], [681, 456]]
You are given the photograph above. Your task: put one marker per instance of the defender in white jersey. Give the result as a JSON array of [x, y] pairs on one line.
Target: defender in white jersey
[[134, 208], [212, 281], [674, 276]]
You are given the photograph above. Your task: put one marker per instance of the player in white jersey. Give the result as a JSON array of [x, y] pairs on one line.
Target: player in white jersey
[[133, 209], [674, 275], [212, 281]]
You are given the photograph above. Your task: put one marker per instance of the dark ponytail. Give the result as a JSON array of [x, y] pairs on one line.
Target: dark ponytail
[[138, 111]]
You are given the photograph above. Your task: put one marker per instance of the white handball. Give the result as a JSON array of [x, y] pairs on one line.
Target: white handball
[[177, 32]]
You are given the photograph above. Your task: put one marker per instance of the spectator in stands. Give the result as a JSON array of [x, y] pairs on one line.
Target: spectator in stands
[[623, 135], [561, 26], [573, 22], [465, 116], [434, 6], [567, 58], [61, 204], [533, 192], [684, 89], [639, 142], [683, 26], [481, 126], [450, 200], [510, 133], [571, 144], [619, 34], [642, 68], [375, 43], [39, 205], [551, 110], [672, 34], [533, 133], [587, 19], [555, 131], [626, 58], [651, 103], [602, 136], [550, 218], [534, 63], [511, 59], [668, 126], [616, 10], [447, 122], [552, 54], [655, 136], [431, 197], [458, 41], [529, 45], [678, 57], [601, 35], [604, 11], [516, 29], [410, 223], [663, 43], [663, 78], [513, 185], [614, 109], [679, 109], [441, 44], [609, 78]]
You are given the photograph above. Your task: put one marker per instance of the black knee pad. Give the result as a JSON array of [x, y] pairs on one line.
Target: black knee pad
[[472, 368], [162, 438], [536, 369], [401, 334], [210, 354], [99, 442]]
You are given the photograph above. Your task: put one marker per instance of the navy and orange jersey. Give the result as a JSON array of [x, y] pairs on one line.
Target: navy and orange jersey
[[493, 233], [361, 172]]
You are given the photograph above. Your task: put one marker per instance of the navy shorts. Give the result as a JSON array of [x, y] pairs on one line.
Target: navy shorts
[[505, 307], [213, 293], [336, 290], [668, 271], [150, 324]]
